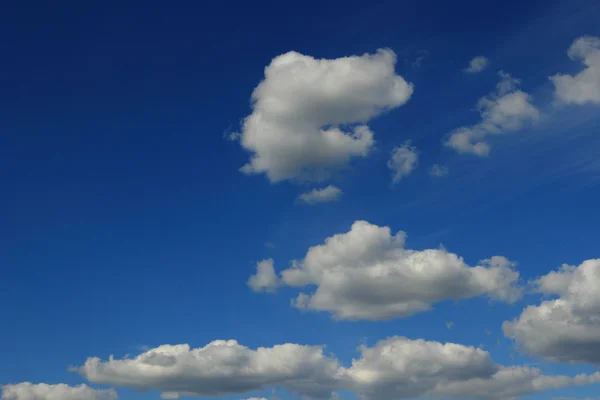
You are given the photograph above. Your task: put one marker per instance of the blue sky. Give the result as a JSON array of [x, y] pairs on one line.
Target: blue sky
[[127, 223]]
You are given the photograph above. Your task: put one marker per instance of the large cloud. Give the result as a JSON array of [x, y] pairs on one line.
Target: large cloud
[[585, 86], [566, 328], [219, 368], [296, 129], [393, 368], [402, 368], [505, 110], [367, 273], [42, 391]]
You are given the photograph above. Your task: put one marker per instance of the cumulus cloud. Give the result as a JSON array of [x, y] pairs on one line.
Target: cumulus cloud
[[566, 328], [221, 367], [403, 161], [42, 391], [438, 170], [477, 64], [402, 368], [265, 279], [324, 195], [507, 109], [368, 274], [583, 87], [298, 129], [396, 367]]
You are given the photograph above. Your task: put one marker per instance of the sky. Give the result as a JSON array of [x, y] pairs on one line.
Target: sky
[[327, 200]]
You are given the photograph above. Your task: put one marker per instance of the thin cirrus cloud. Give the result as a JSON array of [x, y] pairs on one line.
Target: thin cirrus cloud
[[403, 161], [42, 391], [566, 328], [507, 109], [477, 64], [584, 87], [317, 196], [294, 131], [368, 274], [396, 367]]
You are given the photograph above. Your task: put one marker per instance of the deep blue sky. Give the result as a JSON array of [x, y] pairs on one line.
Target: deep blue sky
[[125, 220]]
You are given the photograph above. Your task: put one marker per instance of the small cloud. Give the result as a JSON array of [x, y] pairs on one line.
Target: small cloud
[[403, 161], [438, 170], [265, 279], [507, 109], [233, 136], [316, 196], [488, 332], [269, 245], [422, 55], [449, 324], [477, 64]]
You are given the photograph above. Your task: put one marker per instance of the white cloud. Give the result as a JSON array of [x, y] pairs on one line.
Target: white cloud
[[438, 170], [42, 391], [396, 367], [265, 279], [219, 368], [368, 274], [403, 161], [296, 129], [402, 368], [567, 328], [477, 64], [505, 110], [324, 195], [585, 86]]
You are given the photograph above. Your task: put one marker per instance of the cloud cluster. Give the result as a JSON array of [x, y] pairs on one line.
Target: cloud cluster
[[316, 196], [402, 368], [396, 367], [567, 328], [368, 274], [584, 87], [505, 110], [403, 161], [477, 64], [221, 367], [297, 127], [42, 391]]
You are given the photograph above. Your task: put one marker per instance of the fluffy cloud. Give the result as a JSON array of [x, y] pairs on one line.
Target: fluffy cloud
[[219, 368], [368, 274], [477, 64], [265, 279], [402, 368], [505, 110], [296, 128], [396, 367], [42, 391], [438, 170], [324, 195], [566, 328], [404, 159], [585, 86]]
